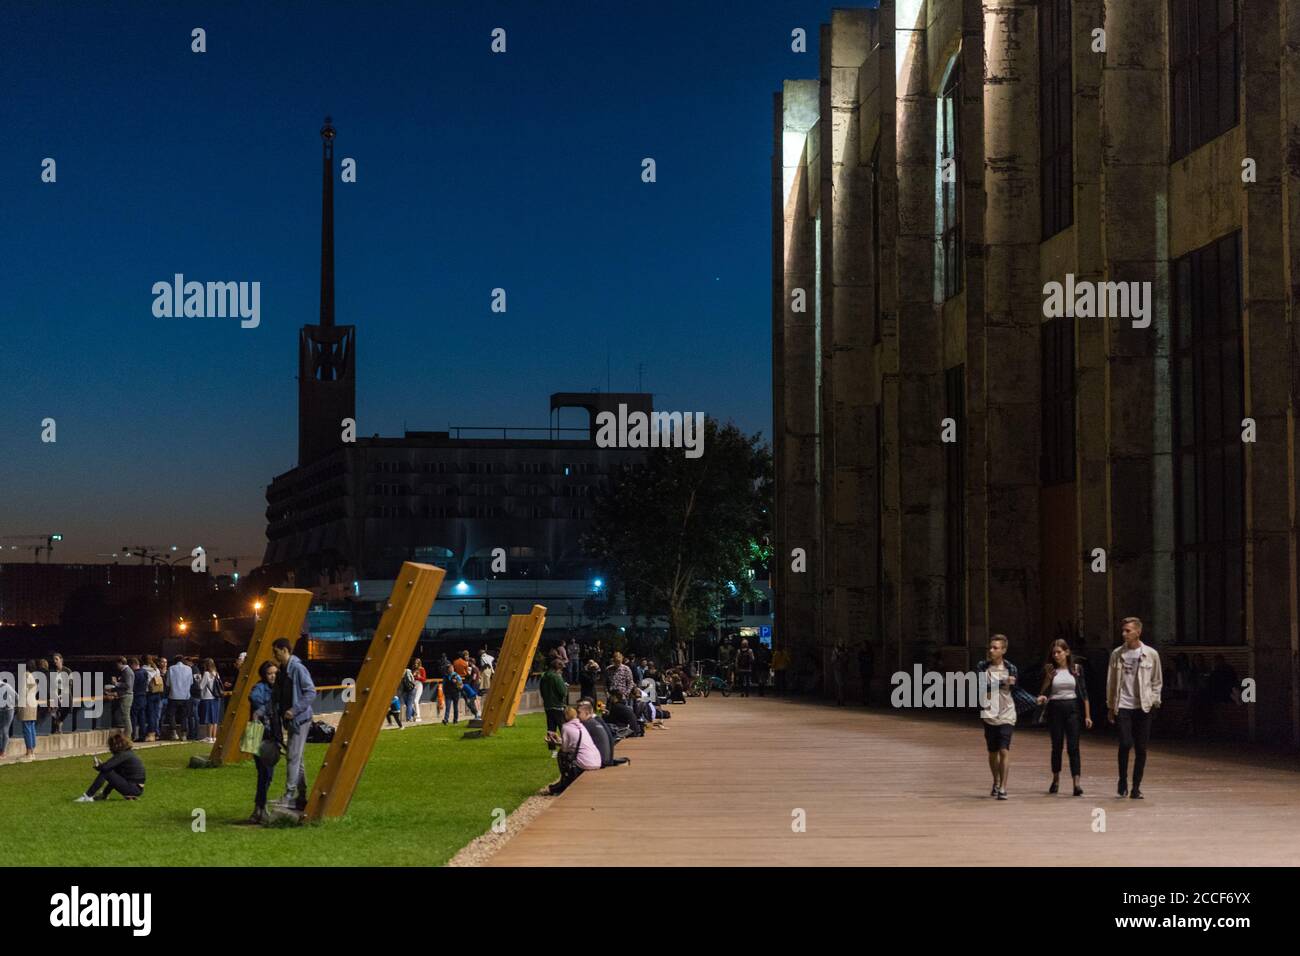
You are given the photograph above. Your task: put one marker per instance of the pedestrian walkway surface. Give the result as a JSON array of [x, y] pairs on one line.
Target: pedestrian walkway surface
[[729, 783]]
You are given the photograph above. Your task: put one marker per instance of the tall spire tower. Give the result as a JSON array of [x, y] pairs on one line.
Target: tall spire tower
[[327, 391]]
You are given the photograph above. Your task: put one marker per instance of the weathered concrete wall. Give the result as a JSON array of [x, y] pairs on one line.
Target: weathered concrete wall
[[848, 414], [1012, 315], [870, 505], [798, 474]]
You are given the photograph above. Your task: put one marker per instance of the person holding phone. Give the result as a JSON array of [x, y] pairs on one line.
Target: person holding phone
[[1065, 694], [123, 772], [998, 711], [577, 751]]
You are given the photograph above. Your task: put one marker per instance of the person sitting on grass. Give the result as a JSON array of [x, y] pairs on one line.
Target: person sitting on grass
[[122, 772], [577, 753]]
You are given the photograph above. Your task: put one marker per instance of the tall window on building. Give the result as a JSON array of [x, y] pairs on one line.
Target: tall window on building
[[1203, 57], [1057, 345], [948, 185], [880, 522], [1208, 403], [875, 241], [954, 524], [1056, 120]]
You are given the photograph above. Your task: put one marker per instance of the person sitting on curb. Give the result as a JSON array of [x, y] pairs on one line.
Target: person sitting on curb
[[577, 753], [122, 772]]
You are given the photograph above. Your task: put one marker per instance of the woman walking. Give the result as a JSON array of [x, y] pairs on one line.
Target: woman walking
[[1065, 692]]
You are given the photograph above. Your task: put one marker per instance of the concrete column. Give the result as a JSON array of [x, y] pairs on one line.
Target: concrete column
[[896, 46], [1134, 197], [1091, 337], [847, 311], [1290, 256], [1012, 319], [1267, 377], [798, 470], [920, 400]]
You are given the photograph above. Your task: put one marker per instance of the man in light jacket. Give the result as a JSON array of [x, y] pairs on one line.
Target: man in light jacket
[[1133, 684], [180, 680], [297, 693]]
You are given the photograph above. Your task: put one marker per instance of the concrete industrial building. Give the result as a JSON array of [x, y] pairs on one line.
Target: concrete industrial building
[[953, 159], [343, 521]]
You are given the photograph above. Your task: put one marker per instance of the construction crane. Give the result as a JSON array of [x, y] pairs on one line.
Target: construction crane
[[47, 546]]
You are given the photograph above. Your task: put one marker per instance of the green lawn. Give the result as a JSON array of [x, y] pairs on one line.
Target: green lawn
[[425, 793]]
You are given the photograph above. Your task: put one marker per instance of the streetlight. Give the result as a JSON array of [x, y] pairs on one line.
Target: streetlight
[[257, 610]]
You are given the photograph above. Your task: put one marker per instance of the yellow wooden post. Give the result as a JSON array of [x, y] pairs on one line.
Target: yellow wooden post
[[390, 650], [283, 616], [511, 673]]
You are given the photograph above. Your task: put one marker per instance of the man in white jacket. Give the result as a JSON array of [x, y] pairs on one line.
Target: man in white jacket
[[1133, 685]]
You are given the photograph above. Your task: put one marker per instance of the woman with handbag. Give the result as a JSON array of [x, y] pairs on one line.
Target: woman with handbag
[[263, 745], [577, 753], [1065, 694]]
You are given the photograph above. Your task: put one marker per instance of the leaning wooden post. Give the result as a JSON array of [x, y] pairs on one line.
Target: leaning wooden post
[[511, 674], [285, 610], [391, 648]]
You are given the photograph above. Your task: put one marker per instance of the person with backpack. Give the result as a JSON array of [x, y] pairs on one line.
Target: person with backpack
[[154, 699], [451, 687], [406, 692]]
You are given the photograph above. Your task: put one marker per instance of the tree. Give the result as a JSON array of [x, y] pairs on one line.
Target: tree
[[677, 531]]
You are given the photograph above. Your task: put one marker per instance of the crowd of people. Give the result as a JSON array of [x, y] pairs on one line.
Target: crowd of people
[[582, 737], [1133, 686], [150, 698]]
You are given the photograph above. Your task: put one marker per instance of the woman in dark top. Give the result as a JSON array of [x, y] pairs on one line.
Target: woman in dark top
[[122, 772], [587, 680], [1065, 692], [620, 714], [262, 708]]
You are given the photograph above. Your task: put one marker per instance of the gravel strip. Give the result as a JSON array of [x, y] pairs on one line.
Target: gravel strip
[[481, 848]]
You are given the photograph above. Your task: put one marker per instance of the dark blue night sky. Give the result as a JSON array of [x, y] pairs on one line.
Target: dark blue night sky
[[474, 171]]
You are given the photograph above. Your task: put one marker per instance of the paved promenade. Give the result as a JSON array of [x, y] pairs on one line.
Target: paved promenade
[[880, 787]]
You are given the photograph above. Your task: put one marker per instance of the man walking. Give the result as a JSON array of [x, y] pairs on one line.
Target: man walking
[[297, 691], [1133, 685], [998, 711]]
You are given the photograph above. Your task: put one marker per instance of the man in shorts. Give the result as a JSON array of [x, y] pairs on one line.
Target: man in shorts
[[998, 711]]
